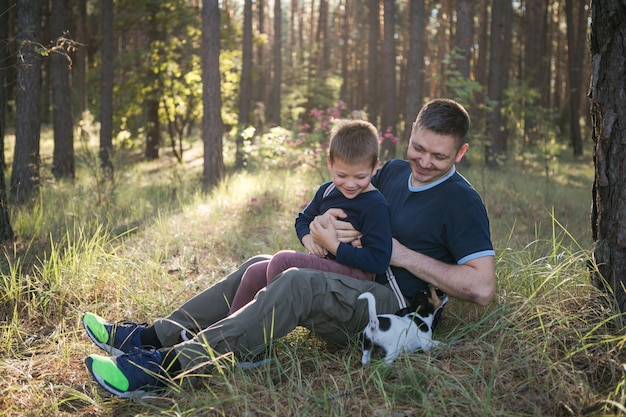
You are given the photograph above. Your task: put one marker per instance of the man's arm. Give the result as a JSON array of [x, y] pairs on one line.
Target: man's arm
[[473, 281]]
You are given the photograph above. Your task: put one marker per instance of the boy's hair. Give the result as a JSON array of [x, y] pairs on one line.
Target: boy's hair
[[445, 117], [354, 142]]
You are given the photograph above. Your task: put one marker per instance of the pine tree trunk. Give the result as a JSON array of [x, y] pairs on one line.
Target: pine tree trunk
[[25, 176], [608, 113], [63, 154], [211, 95]]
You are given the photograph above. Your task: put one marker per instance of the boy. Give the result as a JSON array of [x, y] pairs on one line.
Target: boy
[[352, 161]]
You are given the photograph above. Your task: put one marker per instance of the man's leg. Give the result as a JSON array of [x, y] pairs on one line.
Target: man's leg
[[324, 302], [204, 309]]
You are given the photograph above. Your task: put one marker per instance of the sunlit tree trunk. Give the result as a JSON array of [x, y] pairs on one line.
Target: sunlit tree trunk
[[107, 51], [389, 111], [275, 103], [345, 51], [212, 127], [25, 176], [153, 128], [414, 65], [79, 64], [608, 113], [63, 154], [372, 61], [245, 82]]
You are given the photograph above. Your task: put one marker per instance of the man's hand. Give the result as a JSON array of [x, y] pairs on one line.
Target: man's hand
[[345, 232]]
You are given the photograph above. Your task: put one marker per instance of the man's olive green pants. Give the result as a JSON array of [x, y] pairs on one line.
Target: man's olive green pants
[[323, 302]]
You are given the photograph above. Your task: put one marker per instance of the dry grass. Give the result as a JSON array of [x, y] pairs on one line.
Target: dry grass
[[549, 344]]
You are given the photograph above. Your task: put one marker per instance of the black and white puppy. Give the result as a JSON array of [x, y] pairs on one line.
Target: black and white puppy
[[408, 330]]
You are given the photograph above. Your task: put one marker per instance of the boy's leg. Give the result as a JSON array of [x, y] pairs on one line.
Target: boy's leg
[[253, 280], [204, 309], [324, 302], [285, 259]]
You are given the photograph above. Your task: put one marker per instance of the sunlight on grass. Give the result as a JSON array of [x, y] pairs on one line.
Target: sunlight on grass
[[549, 344]]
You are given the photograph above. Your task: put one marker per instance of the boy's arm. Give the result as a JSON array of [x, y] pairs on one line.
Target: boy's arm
[[374, 253]]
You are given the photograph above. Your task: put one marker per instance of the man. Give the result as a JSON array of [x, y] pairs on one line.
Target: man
[[440, 234]]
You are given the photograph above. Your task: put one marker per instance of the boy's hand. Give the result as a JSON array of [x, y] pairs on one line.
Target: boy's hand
[[325, 235], [345, 232], [312, 247]]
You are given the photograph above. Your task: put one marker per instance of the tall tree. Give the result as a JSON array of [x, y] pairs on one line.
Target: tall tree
[[535, 61], [153, 128], [275, 103], [79, 65], [345, 51], [245, 82], [496, 145], [372, 60], [5, 7], [575, 41], [6, 231], [25, 176], [608, 113], [212, 127], [414, 64], [107, 51], [63, 154], [322, 40], [463, 37], [389, 113]]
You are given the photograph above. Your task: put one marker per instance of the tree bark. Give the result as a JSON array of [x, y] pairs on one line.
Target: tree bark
[[79, 65], [245, 82], [372, 61], [463, 37], [575, 16], [153, 128], [6, 231], [63, 154], [414, 65], [496, 143], [212, 127], [389, 113], [608, 113], [107, 52], [25, 176], [278, 66], [4, 58]]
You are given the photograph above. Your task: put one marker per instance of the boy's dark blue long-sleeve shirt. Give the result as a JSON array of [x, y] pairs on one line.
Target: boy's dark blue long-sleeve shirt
[[369, 213]]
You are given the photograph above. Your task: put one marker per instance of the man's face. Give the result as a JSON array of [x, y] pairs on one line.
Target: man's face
[[432, 156]]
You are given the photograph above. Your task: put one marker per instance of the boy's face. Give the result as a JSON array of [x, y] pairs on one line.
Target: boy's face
[[432, 156], [351, 179]]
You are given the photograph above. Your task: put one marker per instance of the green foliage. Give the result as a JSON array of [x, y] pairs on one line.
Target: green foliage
[[460, 88]]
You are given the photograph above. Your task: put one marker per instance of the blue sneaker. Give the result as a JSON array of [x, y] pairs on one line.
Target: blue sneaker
[[129, 375], [113, 338]]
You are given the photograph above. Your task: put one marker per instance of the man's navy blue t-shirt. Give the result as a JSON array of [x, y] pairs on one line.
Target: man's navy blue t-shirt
[[445, 220]]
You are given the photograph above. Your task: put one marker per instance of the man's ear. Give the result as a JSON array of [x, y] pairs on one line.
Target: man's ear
[[461, 152]]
